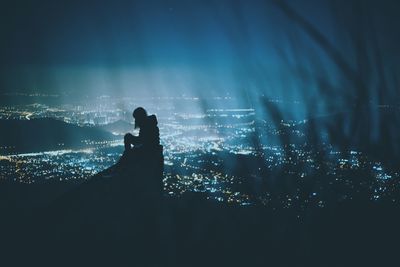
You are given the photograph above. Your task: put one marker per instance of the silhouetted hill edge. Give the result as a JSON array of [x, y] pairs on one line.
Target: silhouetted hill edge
[[46, 134]]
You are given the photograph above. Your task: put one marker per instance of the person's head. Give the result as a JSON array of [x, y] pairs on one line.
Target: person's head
[[140, 116]]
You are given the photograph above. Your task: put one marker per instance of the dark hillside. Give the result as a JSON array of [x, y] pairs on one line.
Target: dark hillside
[[114, 221], [46, 134]]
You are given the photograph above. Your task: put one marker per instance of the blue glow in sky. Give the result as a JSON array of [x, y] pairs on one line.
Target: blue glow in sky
[[183, 47]]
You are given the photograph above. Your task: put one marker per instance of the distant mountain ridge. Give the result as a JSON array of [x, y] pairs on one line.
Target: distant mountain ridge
[[118, 127], [46, 134]]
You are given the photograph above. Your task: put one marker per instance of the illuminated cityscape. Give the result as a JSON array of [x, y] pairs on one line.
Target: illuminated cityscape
[[212, 153]]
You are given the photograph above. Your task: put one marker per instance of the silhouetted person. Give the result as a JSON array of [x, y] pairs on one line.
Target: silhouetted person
[[149, 136], [143, 156]]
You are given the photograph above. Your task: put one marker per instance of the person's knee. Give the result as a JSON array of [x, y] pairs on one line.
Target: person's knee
[[127, 136], [128, 140]]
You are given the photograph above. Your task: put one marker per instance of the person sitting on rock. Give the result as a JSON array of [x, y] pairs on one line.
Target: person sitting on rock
[[145, 147], [149, 135], [142, 161]]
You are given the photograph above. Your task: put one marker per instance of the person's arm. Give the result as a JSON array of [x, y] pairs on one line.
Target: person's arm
[[129, 140]]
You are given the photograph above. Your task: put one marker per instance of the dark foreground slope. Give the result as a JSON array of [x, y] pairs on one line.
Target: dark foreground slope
[[115, 221]]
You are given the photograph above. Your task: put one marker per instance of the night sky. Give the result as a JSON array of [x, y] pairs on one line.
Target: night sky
[[183, 47]]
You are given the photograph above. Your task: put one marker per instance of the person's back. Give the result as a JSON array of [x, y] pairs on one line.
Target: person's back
[[149, 134], [152, 152]]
